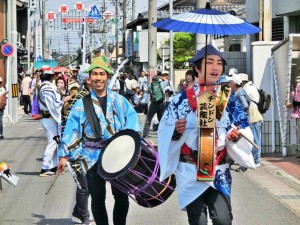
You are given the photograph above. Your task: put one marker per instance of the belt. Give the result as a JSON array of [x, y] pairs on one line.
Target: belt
[[96, 145], [45, 114]]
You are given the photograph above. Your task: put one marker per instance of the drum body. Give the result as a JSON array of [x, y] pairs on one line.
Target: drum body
[[131, 164]]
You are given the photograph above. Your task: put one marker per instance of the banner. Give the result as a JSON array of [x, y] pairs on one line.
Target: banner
[[38, 52]]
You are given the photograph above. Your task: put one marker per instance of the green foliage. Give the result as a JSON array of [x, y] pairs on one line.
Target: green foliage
[[183, 48], [78, 57]]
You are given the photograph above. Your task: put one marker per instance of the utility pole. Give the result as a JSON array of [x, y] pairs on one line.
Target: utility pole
[[124, 29], [117, 32], [200, 38], [44, 28], [133, 10], [152, 39], [67, 39], [172, 76]]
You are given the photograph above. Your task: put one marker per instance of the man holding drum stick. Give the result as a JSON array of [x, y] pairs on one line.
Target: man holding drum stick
[[182, 134], [93, 120]]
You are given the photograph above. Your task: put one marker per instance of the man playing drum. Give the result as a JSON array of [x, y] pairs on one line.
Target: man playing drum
[[179, 146], [91, 121]]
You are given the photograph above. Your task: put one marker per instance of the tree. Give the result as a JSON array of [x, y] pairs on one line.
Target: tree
[[183, 48], [78, 57]]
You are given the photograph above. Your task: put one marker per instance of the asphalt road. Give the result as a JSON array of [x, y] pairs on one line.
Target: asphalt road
[[27, 203]]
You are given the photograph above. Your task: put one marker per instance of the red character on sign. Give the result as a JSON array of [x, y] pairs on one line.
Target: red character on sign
[[63, 9], [79, 6], [51, 16]]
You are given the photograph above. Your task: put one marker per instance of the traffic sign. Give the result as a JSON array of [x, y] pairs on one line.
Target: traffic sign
[[94, 13], [7, 49]]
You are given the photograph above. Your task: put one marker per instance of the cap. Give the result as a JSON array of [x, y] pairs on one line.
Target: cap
[[223, 79], [232, 71], [99, 62], [243, 76], [206, 50], [165, 72], [28, 73], [236, 79], [297, 79]]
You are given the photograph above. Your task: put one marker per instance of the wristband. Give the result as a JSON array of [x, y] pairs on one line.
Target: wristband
[[176, 136]]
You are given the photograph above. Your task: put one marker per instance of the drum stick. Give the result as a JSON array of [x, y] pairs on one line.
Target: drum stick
[[52, 184], [245, 136]]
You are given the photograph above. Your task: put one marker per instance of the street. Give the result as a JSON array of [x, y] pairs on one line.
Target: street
[[27, 203]]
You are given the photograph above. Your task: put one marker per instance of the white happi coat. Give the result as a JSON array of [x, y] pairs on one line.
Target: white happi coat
[[188, 188]]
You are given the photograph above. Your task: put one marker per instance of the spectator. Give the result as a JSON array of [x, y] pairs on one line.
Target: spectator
[[189, 80], [61, 86], [36, 82], [25, 87], [3, 98], [157, 104], [140, 101], [235, 83], [143, 81], [180, 86], [255, 117], [116, 87]]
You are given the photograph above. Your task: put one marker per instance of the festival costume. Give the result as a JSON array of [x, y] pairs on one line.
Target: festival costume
[[50, 106], [79, 141], [171, 151], [35, 112]]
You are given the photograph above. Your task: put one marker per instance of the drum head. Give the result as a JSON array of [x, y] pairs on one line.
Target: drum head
[[119, 153]]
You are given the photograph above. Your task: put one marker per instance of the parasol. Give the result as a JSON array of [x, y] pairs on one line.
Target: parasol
[[47, 62], [207, 21], [60, 69]]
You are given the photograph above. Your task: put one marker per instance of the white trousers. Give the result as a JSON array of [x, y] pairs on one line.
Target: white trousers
[[50, 155]]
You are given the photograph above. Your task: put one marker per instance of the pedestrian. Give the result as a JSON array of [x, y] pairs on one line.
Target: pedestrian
[[25, 87], [80, 209], [255, 117], [50, 106], [3, 97], [112, 113], [178, 136], [157, 104]]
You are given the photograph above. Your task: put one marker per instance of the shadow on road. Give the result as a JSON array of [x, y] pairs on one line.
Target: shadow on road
[[28, 173], [59, 221]]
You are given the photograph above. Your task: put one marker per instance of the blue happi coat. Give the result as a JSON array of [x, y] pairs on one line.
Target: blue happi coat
[[78, 139], [188, 188]]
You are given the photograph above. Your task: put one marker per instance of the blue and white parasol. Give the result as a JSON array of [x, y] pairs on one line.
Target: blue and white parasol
[[207, 21]]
